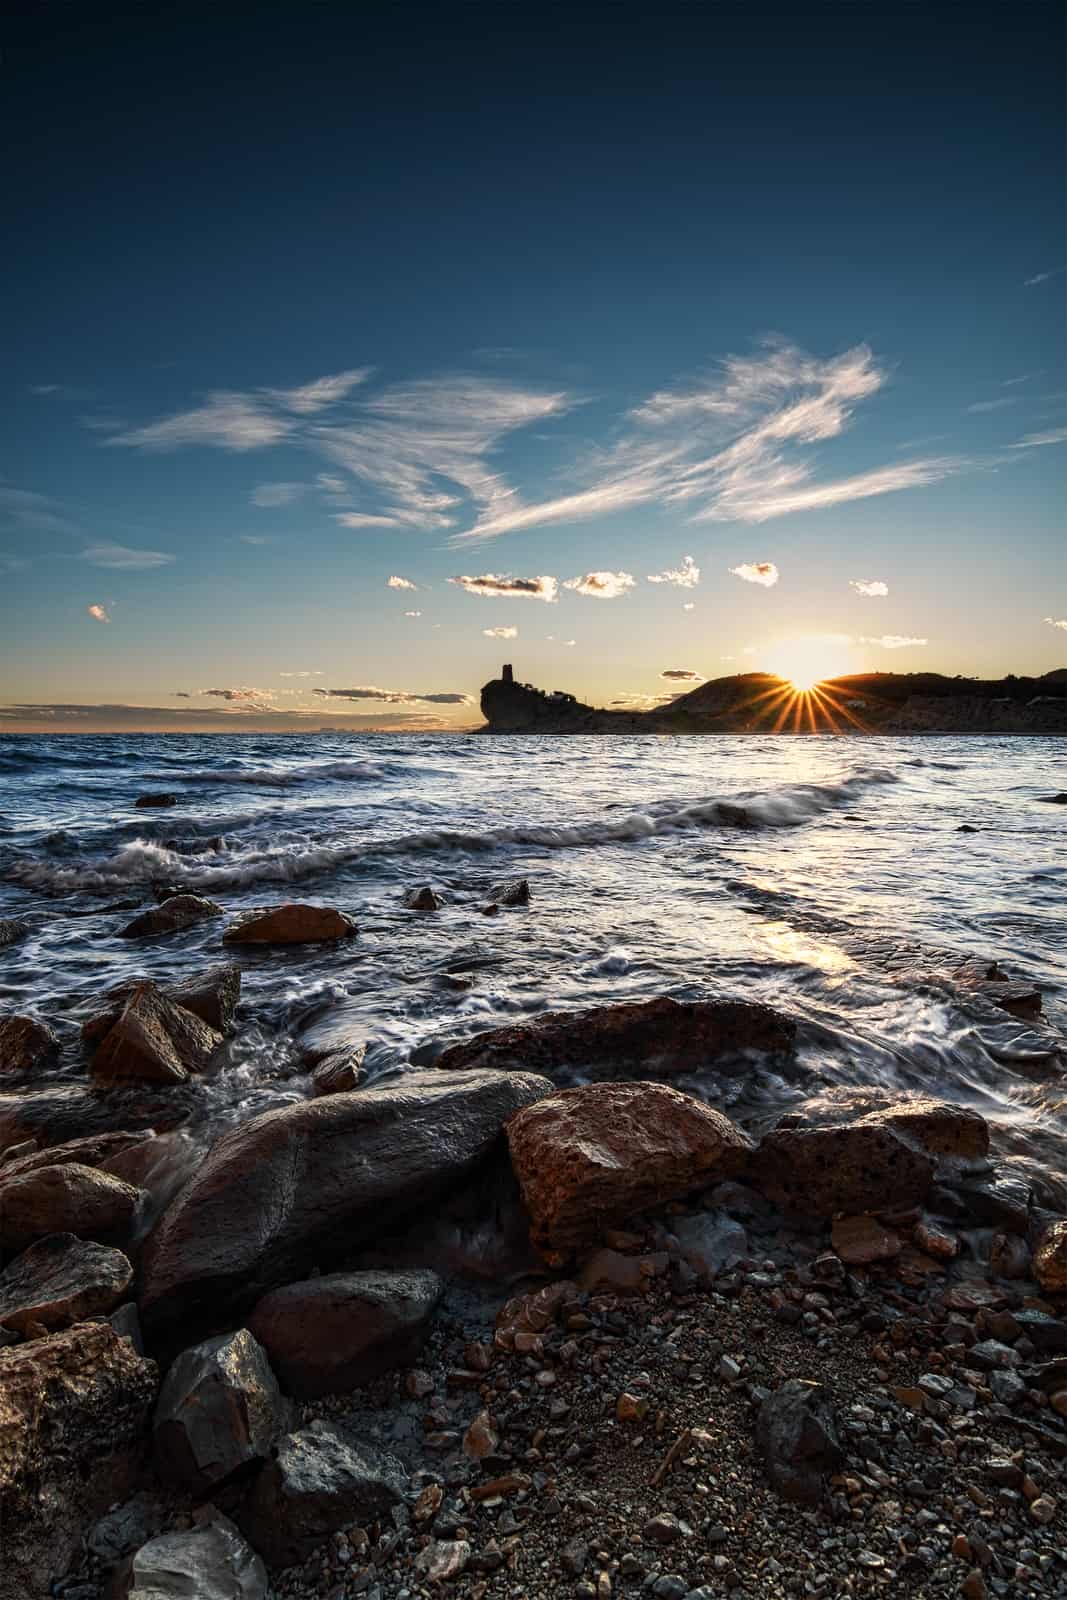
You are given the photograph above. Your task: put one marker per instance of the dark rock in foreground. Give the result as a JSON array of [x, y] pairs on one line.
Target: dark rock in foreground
[[796, 1434], [290, 924], [334, 1333], [208, 1562], [73, 1412], [307, 1184], [61, 1280], [173, 915], [25, 1044], [659, 1038], [219, 1412], [64, 1198]]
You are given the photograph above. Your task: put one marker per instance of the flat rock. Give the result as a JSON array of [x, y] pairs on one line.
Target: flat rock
[[591, 1157], [65, 1198], [219, 1411], [305, 1184], [25, 1044], [61, 1280], [862, 1240], [823, 1171], [103, 1150], [659, 1038], [211, 995], [318, 1482], [797, 1437], [154, 1040], [939, 1127], [150, 801], [336, 1332], [172, 916], [290, 924], [1050, 1259], [208, 1562], [73, 1414]]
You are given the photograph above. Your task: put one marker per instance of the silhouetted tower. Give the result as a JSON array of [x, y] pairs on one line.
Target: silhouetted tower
[[507, 674]]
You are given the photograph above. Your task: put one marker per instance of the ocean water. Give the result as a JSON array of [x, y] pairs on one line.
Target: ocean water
[[845, 898]]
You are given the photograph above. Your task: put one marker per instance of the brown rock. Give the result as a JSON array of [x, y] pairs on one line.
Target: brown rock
[[154, 1040], [1050, 1258], [936, 1240], [66, 1198], [590, 1157], [481, 1438], [73, 1413], [101, 1150], [61, 1280], [25, 1044], [178, 912], [515, 892], [861, 1240], [531, 1313], [424, 899], [339, 1072], [608, 1272], [655, 1039], [211, 995], [290, 924], [219, 1413]]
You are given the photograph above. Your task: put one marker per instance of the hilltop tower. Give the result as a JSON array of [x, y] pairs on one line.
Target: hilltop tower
[[507, 674]]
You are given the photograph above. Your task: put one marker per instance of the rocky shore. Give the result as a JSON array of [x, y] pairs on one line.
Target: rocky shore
[[527, 1319]]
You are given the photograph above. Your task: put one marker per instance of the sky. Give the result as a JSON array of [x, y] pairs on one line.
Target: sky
[[351, 352]]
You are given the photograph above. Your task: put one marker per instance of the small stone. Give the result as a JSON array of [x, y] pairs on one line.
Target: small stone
[[443, 1559], [481, 1438], [862, 1240], [573, 1556], [628, 1408], [1043, 1509], [973, 1586], [662, 1530], [936, 1240]]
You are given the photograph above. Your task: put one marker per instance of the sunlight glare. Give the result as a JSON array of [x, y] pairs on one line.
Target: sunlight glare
[[811, 660]]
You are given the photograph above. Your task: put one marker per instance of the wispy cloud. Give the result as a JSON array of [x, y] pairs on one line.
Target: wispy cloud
[[256, 538], [690, 605], [123, 558], [501, 633], [304, 673], [397, 582], [413, 613], [682, 675], [394, 696], [687, 576], [1033, 441], [504, 587], [243, 698], [1042, 277], [316, 396], [764, 572], [995, 405], [23, 508], [601, 585], [270, 495], [235, 422], [98, 613], [894, 641], [1056, 622], [872, 588], [362, 519]]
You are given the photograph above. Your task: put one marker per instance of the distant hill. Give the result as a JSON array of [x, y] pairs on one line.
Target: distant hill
[[760, 702]]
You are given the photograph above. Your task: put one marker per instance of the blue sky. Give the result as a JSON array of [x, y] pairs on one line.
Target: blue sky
[[512, 294]]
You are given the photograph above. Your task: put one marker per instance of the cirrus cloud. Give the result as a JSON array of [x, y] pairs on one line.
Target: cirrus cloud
[[393, 696], [601, 585], [504, 587], [894, 641], [764, 572], [122, 558]]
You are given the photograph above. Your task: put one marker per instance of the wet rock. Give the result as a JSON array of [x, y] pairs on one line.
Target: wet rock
[[861, 1240], [1047, 1334], [339, 1072], [61, 1280], [658, 1038], [66, 1198], [146, 801], [936, 1240], [178, 912], [154, 1040], [586, 1158], [25, 1044], [103, 1150], [290, 924], [73, 1413], [711, 1242], [318, 1482], [1002, 1199], [219, 1411], [938, 1127], [797, 1437], [1050, 1259], [65, 1112], [211, 995], [333, 1333], [210, 1561], [516, 892], [196, 846], [127, 1324], [424, 899], [309, 1182], [12, 929]]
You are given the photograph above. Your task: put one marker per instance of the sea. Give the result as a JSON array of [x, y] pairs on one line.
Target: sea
[[827, 876]]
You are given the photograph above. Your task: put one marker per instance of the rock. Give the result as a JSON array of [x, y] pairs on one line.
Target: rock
[[102, 1150], [66, 1111], [938, 1127], [796, 1434], [424, 899], [61, 1280], [210, 1561], [336, 1332], [66, 1198], [1050, 1259], [586, 1158], [307, 1183], [154, 1040], [25, 1044], [659, 1038], [339, 1072], [290, 924], [663, 1529], [196, 846], [936, 1240], [151, 800], [443, 1559], [125, 1528], [127, 1324], [12, 929], [516, 892], [610, 1272], [1009, 1256], [711, 1242], [178, 912], [861, 1240], [481, 1438], [211, 995], [73, 1410], [318, 1482], [220, 1410]]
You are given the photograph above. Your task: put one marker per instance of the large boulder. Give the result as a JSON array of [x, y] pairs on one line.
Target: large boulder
[[61, 1280], [333, 1333], [154, 1040], [586, 1158], [65, 1112], [660, 1038], [211, 995], [219, 1412], [175, 914], [25, 1044], [308, 1184], [74, 1409], [290, 924], [318, 1481], [210, 1561], [1050, 1259], [939, 1127], [67, 1198], [797, 1437]]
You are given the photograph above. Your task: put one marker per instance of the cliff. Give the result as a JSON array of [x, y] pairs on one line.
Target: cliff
[[759, 702]]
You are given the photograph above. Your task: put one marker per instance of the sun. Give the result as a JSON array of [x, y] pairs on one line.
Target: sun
[[811, 660]]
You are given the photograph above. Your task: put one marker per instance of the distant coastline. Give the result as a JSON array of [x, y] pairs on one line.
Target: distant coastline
[[761, 702]]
